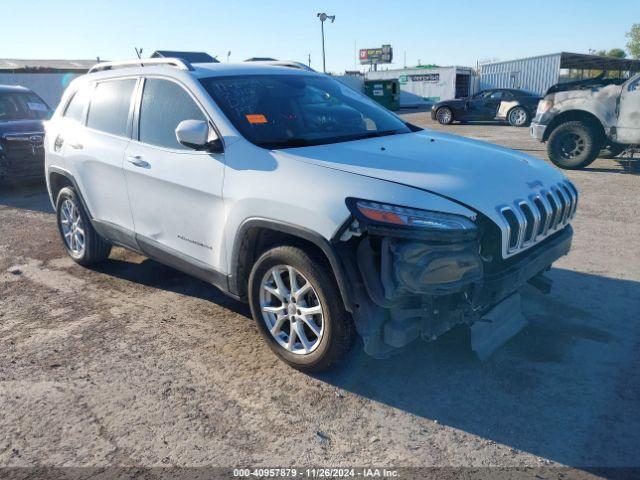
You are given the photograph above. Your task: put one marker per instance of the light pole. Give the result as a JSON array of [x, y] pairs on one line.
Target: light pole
[[323, 17]]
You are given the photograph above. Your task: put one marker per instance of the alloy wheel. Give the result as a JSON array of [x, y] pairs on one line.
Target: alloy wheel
[[518, 117], [291, 310], [72, 227], [444, 115]]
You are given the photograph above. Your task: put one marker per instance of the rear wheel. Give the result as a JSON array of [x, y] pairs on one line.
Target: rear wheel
[[573, 145], [518, 117], [297, 305], [444, 115], [82, 242]]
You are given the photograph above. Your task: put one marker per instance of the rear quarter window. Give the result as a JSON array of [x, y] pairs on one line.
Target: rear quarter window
[[75, 107]]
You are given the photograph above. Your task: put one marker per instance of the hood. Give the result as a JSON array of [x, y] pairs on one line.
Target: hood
[[480, 175], [21, 126]]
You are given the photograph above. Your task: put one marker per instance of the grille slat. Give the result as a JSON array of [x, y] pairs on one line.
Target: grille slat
[[530, 221]]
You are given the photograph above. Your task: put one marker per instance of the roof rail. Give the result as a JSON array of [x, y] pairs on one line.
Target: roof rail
[[143, 62]]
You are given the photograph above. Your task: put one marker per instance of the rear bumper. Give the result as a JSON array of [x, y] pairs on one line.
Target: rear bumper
[[537, 130]]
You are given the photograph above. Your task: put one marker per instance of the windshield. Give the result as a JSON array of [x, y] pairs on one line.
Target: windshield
[[22, 106], [280, 111]]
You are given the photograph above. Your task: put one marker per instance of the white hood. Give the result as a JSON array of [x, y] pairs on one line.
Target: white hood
[[480, 175]]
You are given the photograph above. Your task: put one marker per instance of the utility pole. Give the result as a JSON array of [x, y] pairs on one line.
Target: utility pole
[[323, 18]]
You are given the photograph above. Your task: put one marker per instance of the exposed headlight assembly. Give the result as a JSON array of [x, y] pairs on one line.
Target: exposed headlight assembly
[[544, 106], [395, 220]]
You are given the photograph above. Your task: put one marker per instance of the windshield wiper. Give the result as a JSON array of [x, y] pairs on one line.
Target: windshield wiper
[[286, 143], [381, 133]]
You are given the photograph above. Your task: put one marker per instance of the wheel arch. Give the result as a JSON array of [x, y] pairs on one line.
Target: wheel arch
[[257, 235], [575, 115], [57, 179]]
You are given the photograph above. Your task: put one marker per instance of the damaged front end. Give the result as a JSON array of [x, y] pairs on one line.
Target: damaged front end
[[416, 273]]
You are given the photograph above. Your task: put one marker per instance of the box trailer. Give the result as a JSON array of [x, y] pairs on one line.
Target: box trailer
[[425, 86]]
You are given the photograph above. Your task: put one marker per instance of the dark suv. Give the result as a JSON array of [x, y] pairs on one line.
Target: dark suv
[[22, 113]]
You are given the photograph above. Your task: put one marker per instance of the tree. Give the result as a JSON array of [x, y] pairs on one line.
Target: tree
[[634, 40], [614, 52], [617, 53]]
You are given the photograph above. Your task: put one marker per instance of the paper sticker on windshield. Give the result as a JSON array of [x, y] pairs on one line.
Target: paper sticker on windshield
[[256, 119], [37, 107]]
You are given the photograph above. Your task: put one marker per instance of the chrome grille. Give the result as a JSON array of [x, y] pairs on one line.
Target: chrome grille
[[532, 220]]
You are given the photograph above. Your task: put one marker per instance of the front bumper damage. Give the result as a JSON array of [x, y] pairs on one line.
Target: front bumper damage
[[409, 288]]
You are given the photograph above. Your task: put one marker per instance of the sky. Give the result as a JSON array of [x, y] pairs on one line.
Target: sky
[[450, 32]]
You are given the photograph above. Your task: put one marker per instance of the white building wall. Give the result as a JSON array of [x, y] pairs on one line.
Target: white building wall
[[422, 86], [50, 86], [535, 74]]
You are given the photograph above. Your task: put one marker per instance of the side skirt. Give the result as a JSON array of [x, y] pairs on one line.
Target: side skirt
[[184, 263]]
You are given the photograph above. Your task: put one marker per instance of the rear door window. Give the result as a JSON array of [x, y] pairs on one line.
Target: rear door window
[[164, 105], [110, 103]]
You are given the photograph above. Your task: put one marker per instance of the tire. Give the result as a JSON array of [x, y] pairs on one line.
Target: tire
[[612, 151], [84, 248], [334, 324], [518, 117], [444, 115], [573, 145]]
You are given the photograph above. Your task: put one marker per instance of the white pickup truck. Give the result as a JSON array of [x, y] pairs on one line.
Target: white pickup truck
[[579, 119]]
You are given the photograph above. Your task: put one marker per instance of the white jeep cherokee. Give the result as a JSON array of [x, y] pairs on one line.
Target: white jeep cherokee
[[323, 210]]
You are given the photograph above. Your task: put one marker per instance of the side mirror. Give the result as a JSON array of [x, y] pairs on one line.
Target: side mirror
[[197, 135]]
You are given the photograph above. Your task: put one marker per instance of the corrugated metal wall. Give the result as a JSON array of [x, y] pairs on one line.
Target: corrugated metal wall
[[535, 74], [50, 86]]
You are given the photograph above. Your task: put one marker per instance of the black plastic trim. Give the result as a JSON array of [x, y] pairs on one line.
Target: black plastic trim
[[182, 262], [296, 231], [71, 178]]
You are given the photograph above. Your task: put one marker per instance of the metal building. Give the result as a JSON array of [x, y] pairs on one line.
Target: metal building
[[48, 78], [425, 86], [537, 74]]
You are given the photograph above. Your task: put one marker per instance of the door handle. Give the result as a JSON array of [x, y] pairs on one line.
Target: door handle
[[138, 161], [77, 146]]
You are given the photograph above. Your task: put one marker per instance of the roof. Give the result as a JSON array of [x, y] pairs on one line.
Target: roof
[[200, 70], [260, 59], [580, 61], [191, 57], [21, 65], [583, 61]]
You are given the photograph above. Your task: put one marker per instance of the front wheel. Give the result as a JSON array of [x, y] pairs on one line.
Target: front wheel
[[573, 145], [518, 117], [298, 307], [444, 115], [82, 242]]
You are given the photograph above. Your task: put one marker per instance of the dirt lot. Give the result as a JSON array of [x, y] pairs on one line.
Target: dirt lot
[[135, 364]]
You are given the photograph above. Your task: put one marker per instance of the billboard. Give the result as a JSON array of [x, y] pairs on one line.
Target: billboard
[[374, 56]]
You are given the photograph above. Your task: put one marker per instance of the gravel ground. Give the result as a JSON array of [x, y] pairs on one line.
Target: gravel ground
[[135, 364]]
